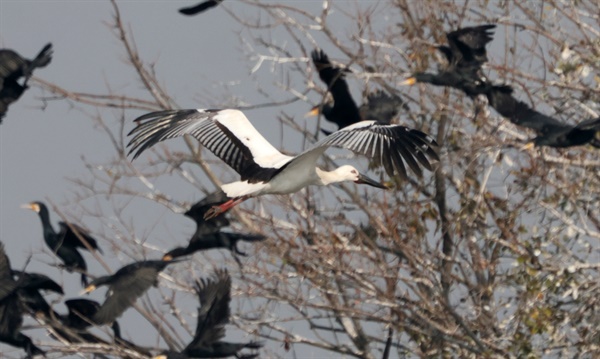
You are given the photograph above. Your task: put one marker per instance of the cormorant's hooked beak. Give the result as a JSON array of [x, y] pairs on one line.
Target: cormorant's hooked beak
[[410, 81], [529, 145], [88, 289], [315, 111], [32, 206], [362, 179]]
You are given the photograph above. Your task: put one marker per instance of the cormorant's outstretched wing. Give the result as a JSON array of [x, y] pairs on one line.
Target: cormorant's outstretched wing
[[468, 44], [344, 111], [214, 295], [132, 282], [203, 6], [551, 132], [381, 107], [70, 239]]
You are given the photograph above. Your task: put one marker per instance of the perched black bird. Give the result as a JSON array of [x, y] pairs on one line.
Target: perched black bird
[[465, 56], [12, 68], [64, 244], [203, 6], [550, 131], [11, 309], [213, 314], [125, 287], [379, 107], [208, 233]]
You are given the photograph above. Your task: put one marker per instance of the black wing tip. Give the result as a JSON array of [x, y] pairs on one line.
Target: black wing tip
[[484, 29], [253, 237], [141, 141], [426, 149], [197, 9], [319, 57], [45, 49]]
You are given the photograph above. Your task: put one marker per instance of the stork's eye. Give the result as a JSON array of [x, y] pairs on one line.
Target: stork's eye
[[354, 172]]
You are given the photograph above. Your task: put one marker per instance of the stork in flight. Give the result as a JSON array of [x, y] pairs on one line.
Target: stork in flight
[[264, 170]]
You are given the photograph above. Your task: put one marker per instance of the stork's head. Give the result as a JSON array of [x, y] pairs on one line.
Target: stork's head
[[349, 173]]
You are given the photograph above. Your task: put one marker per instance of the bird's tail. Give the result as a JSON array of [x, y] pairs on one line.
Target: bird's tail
[[43, 58]]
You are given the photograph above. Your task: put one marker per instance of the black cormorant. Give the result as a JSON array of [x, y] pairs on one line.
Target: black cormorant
[[550, 131], [12, 68], [125, 287], [64, 244], [208, 233], [465, 56], [379, 106], [11, 309], [29, 290], [213, 314]]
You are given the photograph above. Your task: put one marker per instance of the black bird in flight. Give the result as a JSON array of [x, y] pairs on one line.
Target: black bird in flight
[[11, 308], [81, 316], [264, 170], [379, 106], [64, 244], [550, 131], [208, 233], [14, 67], [214, 295], [125, 287], [72, 327], [465, 56], [203, 6]]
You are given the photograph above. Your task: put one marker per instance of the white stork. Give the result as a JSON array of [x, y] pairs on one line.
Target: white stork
[[264, 170]]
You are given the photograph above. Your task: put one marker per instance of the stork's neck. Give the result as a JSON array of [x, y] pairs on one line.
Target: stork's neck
[[327, 177]]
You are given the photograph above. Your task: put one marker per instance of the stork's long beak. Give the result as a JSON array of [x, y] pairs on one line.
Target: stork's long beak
[[362, 179], [409, 81], [313, 112]]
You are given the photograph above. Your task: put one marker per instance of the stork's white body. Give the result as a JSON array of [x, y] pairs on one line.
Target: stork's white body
[[265, 170]]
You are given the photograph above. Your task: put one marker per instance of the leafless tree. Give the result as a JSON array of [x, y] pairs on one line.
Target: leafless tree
[[496, 254]]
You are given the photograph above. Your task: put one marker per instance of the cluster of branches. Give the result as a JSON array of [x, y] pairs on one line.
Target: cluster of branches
[[496, 254]]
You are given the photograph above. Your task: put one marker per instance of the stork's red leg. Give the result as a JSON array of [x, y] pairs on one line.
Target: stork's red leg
[[224, 207]]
